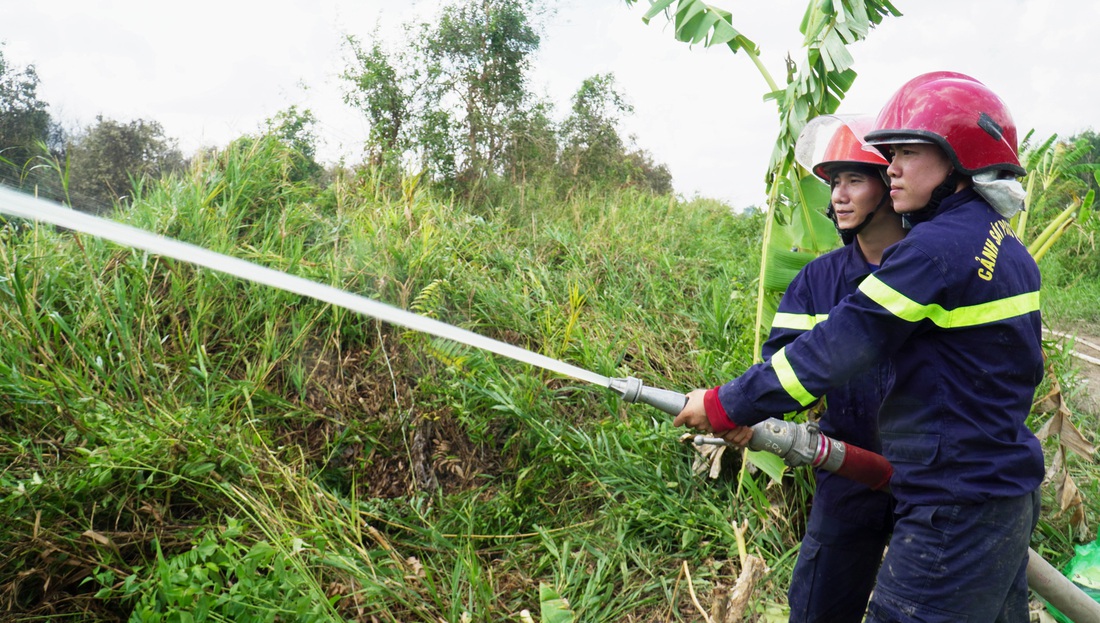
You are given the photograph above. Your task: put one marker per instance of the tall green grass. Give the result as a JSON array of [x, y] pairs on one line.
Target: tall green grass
[[178, 445]]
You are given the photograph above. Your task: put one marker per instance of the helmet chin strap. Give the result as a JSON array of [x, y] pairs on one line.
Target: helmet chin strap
[[909, 220], [849, 235]]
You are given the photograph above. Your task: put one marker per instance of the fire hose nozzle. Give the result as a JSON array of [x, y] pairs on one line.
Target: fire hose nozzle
[[794, 443], [703, 440], [632, 390]]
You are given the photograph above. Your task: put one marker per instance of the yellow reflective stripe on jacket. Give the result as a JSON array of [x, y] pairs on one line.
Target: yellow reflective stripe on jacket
[[788, 379], [907, 309], [799, 322]]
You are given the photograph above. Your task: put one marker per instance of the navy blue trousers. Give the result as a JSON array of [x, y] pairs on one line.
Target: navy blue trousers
[[836, 567], [957, 564]]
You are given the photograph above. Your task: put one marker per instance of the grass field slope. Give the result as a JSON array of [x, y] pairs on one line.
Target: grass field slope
[[180, 445]]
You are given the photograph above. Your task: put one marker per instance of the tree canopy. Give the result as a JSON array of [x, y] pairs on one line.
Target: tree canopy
[[107, 157], [455, 101], [25, 123]]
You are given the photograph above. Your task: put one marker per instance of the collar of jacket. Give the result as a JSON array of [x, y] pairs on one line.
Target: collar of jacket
[[957, 199], [855, 265]]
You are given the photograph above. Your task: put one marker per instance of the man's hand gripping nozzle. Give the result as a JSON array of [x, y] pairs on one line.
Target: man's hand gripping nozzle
[[796, 444]]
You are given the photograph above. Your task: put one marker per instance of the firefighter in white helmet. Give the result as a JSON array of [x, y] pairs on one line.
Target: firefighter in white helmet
[[848, 524]]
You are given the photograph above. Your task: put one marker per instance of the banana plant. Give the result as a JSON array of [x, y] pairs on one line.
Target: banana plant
[[1051, 163], [1076, 212], [796, 230]]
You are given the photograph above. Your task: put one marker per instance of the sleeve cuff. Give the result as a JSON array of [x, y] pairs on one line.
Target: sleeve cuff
[[716, 414]]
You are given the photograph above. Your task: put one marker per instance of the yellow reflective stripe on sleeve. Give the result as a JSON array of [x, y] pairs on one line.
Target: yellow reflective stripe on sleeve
[[907, 309], [789, 380], [800, 322]]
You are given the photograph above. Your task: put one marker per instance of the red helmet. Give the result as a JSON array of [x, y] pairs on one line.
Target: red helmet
[[961, 115], [843, 145]]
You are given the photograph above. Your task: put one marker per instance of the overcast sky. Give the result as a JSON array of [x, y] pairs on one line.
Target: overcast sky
[[209, 71]]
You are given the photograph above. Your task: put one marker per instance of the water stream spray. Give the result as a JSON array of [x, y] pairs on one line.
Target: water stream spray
[[21, 205]]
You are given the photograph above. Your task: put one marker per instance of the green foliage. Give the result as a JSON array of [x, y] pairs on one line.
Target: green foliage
[[647, 173], [1060, 175], [698, 22], [188, 445], [110, 160], [379, 92], [593, 151], [814, 88], [107, 158], [295, 129], [179, 444], [220, 578], [476, 60], [591, 136], [553, 608], [1091, 156], [454, 102], [531, 151], [29, 137], [24, 120], [1058, 225]]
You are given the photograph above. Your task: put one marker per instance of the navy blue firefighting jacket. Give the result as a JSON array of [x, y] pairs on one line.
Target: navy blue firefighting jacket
[[851, 413], [955, 308]]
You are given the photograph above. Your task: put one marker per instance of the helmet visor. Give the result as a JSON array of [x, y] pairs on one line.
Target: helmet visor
[[832, 139]]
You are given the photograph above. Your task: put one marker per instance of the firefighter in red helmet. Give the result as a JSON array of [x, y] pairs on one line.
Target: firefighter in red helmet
[[973, 131], [955, 308]]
